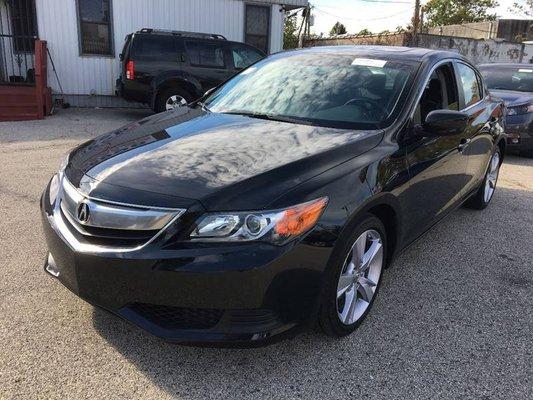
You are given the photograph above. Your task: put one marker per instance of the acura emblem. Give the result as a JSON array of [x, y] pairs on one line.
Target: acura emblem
[[83, 212]]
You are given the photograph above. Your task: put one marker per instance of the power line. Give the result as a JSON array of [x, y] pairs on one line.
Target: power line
[[362, 19]]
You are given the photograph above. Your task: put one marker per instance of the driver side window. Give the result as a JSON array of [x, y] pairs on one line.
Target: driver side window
[[440, 93]]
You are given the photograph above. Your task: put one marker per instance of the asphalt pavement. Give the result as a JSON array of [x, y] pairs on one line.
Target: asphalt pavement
[[453, 319]]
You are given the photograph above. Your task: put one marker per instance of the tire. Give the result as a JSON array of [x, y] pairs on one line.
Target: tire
[[481, 199], [164, 96], [332, 308]]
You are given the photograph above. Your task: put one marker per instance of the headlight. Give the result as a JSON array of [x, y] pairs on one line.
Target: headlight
[[519, 110], [276, 226]]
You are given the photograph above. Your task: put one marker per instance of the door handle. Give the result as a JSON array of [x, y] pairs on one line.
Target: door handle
[[463, 144]]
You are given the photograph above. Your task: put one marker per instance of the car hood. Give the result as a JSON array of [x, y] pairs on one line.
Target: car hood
[[513, 98], [224, 161]]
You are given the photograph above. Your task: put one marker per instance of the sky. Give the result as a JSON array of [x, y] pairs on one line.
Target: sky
[[375, 15]]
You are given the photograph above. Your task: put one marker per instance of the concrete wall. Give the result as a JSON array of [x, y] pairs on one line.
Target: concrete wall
[[477, 51], [507, 29], [398, 39]]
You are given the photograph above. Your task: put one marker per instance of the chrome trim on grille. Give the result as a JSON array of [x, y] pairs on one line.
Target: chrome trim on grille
[[64, 222], [102, 214]]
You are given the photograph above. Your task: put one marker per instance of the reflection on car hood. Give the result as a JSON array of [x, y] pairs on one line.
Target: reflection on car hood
[[218, 159], [513, 98]]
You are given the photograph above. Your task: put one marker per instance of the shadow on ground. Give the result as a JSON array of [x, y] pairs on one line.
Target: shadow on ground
[[452, 318]]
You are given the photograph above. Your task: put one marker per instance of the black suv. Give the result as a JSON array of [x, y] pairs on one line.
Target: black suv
[[168, 69]]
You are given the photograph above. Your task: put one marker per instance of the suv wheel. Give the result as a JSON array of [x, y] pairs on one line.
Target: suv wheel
[[172, 98], [353, 279]]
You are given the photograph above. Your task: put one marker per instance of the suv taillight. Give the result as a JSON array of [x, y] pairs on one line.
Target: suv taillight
[[130, 70]]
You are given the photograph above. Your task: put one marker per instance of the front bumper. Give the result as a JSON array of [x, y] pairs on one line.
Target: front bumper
[[247, 293]]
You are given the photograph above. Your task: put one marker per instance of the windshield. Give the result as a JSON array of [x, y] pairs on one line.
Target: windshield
[[509, 78], [334, 90]]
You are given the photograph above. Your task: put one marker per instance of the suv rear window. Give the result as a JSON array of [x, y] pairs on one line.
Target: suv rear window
[[206, 54], [154, 47]]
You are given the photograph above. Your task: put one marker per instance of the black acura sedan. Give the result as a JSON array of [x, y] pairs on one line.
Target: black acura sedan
[[279, 198]]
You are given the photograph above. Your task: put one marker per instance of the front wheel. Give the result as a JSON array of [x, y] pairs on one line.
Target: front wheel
[[483, 196], [353, 278]]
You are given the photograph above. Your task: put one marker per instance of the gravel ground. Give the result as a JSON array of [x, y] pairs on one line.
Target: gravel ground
[[454, 318]]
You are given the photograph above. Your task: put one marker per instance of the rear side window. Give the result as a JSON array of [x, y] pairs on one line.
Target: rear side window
[[470, 83], [244, 56], [154, 47], [206, 54]]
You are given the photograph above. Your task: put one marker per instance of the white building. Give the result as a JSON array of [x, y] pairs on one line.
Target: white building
[[85, 37]]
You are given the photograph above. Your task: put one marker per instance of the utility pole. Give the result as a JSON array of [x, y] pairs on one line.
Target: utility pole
[[416, 22], [303, 27], [422, 10]]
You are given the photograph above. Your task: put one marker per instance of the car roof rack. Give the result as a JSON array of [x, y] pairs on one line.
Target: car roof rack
[[198, 35]]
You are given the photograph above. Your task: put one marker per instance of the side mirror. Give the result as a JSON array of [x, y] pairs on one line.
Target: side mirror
[[445, 123]]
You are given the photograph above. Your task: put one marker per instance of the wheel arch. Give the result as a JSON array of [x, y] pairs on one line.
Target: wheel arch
[[386, 208], [193, 88]]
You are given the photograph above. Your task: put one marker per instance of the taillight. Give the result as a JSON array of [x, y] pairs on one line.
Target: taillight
[[130, 70]]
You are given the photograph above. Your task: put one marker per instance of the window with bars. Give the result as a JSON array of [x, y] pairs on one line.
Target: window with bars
[[94, 18], [257, 26], [23, 26]]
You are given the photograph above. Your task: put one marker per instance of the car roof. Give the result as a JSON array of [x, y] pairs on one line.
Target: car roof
[[387, 52]]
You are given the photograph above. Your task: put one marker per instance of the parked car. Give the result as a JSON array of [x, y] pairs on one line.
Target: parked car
[[514, 84], [168, 69], [279, 198]]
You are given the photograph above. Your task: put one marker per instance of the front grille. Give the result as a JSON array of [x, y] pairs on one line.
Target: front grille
[[168, 317], [108, 237], [106, 225]]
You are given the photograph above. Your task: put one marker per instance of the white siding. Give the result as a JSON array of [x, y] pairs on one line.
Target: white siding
[[57, 24]]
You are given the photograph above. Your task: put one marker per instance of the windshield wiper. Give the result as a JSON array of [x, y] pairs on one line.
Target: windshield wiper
[[270, 117]]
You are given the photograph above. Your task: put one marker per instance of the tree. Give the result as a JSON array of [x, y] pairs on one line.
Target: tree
[[290, 32], [524, 9], [364, 32], [449, 12], [338, 29]]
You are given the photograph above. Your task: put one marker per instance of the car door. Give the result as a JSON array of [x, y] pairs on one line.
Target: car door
[[207, 62], [474, 101], [437, 168]]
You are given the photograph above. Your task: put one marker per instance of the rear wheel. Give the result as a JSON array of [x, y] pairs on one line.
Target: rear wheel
[[483, 196], [172, 98], [353, 279]]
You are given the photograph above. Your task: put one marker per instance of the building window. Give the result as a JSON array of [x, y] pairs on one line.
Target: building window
[[94, 18], [257, 26], [23, 25]]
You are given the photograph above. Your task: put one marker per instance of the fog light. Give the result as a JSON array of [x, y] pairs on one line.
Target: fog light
[[51, 266]]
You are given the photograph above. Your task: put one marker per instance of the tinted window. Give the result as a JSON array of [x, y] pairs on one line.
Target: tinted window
[[257, 26], [95, 26], [509, 78], [205, 54], [244, 56], [470, 83], [154, 47], [317, 88]]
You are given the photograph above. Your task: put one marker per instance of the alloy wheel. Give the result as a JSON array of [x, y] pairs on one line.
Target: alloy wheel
[[359, 277], [175, 101], [492, 177]]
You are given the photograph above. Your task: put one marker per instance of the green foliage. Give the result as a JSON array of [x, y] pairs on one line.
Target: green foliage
[[364, 32], [338, 29], [524, 9], [290, 32], [449, 12]]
